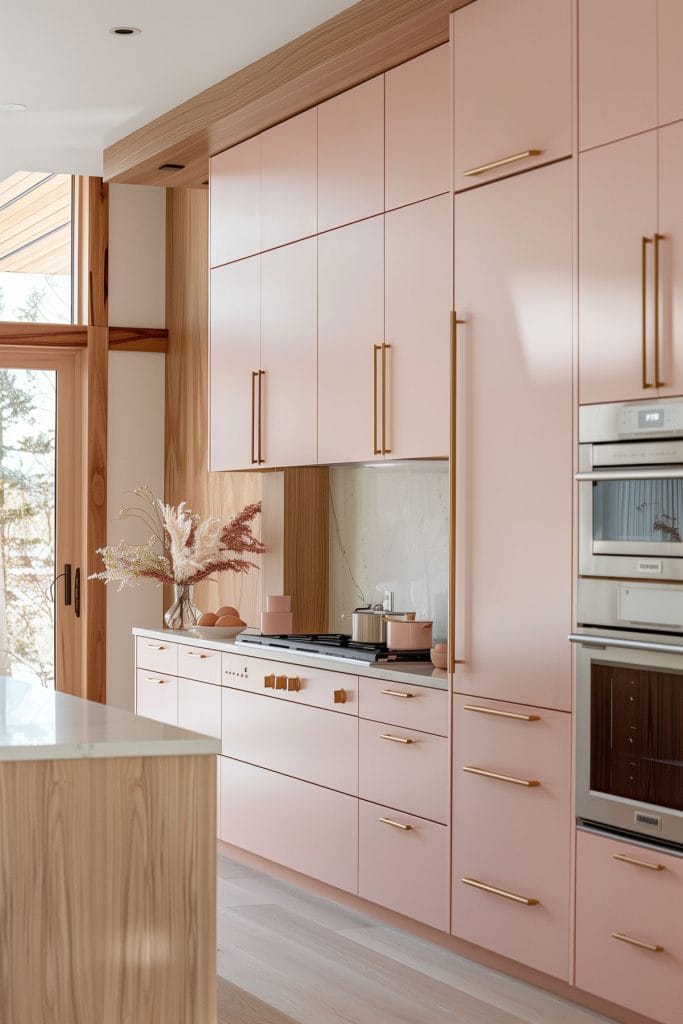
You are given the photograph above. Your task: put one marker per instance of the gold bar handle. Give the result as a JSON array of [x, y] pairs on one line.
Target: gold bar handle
[[651, 947], [156, 679], [396, 824], [269, 682], [530, 783], [261, 375], [644, 242], [473, 171], [396, 739], [502, 714], [385, 450], [195, 654], [397, 693], [638, 863], [293, 684], [453, 488], [658, 383], [375, 350], [515, 897], [155, 647], [254, 375]]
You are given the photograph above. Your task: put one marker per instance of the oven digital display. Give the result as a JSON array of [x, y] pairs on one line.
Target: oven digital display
[[650, 419]]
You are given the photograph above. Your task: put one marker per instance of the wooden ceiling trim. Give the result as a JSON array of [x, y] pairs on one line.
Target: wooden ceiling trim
[[364, 40]]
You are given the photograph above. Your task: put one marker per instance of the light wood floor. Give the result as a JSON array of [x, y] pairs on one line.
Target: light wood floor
[[286, 957]]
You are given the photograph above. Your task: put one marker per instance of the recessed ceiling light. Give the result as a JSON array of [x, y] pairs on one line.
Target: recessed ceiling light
[[12, 106], [171, 167], [125, 30]]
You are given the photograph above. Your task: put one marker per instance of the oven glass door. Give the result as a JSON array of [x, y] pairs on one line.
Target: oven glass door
[[642, 517]]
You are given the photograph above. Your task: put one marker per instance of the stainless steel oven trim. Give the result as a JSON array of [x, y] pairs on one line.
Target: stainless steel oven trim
[[632, 474]]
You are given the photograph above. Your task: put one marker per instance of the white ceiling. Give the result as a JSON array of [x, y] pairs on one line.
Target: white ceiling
[[85, 88]]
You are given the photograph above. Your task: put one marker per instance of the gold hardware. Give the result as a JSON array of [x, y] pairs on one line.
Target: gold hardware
[[530, 783], [293, 684], [254, 375], [156, 647], [269, 682], [395, 739], [502, 714], [637, 942], [375, 350], [340, 696], [397, 693], [453, 489], [280, 682], [658, 383], [261, 374], [643, 284], [396, 824], [638, 863], [385, 450], [501, 163], [155, 679], [515, 897], [195, 654]]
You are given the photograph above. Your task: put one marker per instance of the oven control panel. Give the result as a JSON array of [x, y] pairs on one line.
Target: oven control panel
[[658, 418]]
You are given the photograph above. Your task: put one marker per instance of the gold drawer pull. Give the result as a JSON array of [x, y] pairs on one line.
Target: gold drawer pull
[[156, 647], [530, 783], [156, 679], [195, 654], [638, 863], [396, 824], [397, 693], [653, 948], [502, 714], [501, 163], [396, 739], [340, 696], [293, 684], [269, 682], [501, 892], [280, 682]]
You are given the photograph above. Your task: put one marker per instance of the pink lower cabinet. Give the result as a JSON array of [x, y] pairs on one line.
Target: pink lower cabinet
[[511, 828], [404, 768], [156, 696], [199, 707], [413, 707], [629, 940], [302, 826], [298, 684], [403, 863]]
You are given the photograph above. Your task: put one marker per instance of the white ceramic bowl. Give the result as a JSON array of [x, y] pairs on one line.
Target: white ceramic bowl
[[217, 632]]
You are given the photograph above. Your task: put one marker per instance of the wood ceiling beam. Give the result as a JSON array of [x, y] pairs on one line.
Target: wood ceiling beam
[[364, 40]]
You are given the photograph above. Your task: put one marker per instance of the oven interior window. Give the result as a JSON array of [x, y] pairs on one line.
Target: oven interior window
[[638, 510], [637, 734]]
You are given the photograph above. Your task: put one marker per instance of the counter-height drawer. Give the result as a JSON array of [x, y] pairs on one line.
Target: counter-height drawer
[[304, 827], [199, 707], [199, 663], [415, 707], [157, 696], [158, 655], [629, 941], [301, 684], [403, 768], [301, 741], [403, 863]]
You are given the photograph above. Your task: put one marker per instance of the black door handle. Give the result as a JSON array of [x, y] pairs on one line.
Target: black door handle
[[66, 576]]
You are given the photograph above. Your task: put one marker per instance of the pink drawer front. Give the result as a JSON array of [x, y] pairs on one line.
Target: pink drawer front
[[404, 769], [199, 663], [296, 740], [403, 864], [199, 707], [157, 696], [337, 691], [511, 817], [640, 902], [305, 827], [158, 655], [414, 707]]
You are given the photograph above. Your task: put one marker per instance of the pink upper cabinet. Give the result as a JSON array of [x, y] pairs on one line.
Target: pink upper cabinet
[[670, 340], [235, 192], [351, 155], [288, 180], [670, 21], [418, 128], [617, 69], [512, 87]]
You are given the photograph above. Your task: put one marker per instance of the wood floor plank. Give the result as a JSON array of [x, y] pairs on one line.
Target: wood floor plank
[[255, 889], [229, 868], [235, 1006]]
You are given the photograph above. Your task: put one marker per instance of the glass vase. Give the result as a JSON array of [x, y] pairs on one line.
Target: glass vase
[[182, 614]]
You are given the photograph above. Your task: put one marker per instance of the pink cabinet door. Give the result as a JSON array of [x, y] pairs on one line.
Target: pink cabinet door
[[418, 260], [617, 69], [403, 864], [418, 128], [234, 350], [627, 891], [403, 768], [350, 324], [514, 463], [235, 198], [288, 355], [158, 655], [156, 696], [413, 707], [670, 20], [671, 259], [199, 707], [288, 180], [201, 663], [617, 209], [512, 93], [351, 155], [299, 684], [305, 827]]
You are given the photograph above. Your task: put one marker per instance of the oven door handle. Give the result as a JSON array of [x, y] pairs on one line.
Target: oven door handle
[[633, 474], [601, 642]]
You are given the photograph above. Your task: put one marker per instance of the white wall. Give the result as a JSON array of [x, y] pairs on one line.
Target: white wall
[[137, 267]]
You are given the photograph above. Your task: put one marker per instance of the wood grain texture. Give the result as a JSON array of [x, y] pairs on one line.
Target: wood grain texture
[[98, 252], [364, 40], [138, 339], [95, 603], [306, 546], [132, 339], [108, 891], [236, 1006]]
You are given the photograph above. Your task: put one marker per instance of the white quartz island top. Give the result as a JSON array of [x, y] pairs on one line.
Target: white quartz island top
[[37, 724]]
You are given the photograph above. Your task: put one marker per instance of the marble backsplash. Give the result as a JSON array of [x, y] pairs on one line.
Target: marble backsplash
[[389, 531]]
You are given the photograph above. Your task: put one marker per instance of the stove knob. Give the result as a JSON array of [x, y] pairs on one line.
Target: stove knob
[[269, 682], [280, 682], [293, 684], [340, 696]]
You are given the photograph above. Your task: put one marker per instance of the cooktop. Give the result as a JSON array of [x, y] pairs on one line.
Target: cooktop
[[330, 645]]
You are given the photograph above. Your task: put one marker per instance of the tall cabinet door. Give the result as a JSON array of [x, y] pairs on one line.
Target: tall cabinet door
[[289, 180], [617, 209], [350, 325], [288, 355], [670, 24], [670, 283], [234, 361], [418, 284], [513, 289]]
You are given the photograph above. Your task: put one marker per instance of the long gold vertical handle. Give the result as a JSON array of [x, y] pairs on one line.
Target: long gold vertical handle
[[643, 284], [651, 947], [453, 481], [385, 450], [261, 375], [658, 383], [254, 375], [375, 350]]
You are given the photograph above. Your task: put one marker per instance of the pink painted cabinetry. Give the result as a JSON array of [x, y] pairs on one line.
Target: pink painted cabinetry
[[289, 180], [235, 198]]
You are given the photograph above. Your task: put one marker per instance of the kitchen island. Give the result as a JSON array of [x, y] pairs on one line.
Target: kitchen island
[[107, 864]]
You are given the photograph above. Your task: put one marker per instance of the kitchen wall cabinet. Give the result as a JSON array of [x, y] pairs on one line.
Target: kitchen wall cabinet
[[670, 229], [351, 155], [235, 197], [513, 290], [512, 94], [289, 180]]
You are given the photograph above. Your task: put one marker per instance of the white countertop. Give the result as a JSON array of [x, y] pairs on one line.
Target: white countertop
[[417, 673], [37, 724]]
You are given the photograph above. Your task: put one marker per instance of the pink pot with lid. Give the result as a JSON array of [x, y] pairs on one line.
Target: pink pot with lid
[[408, 634]]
